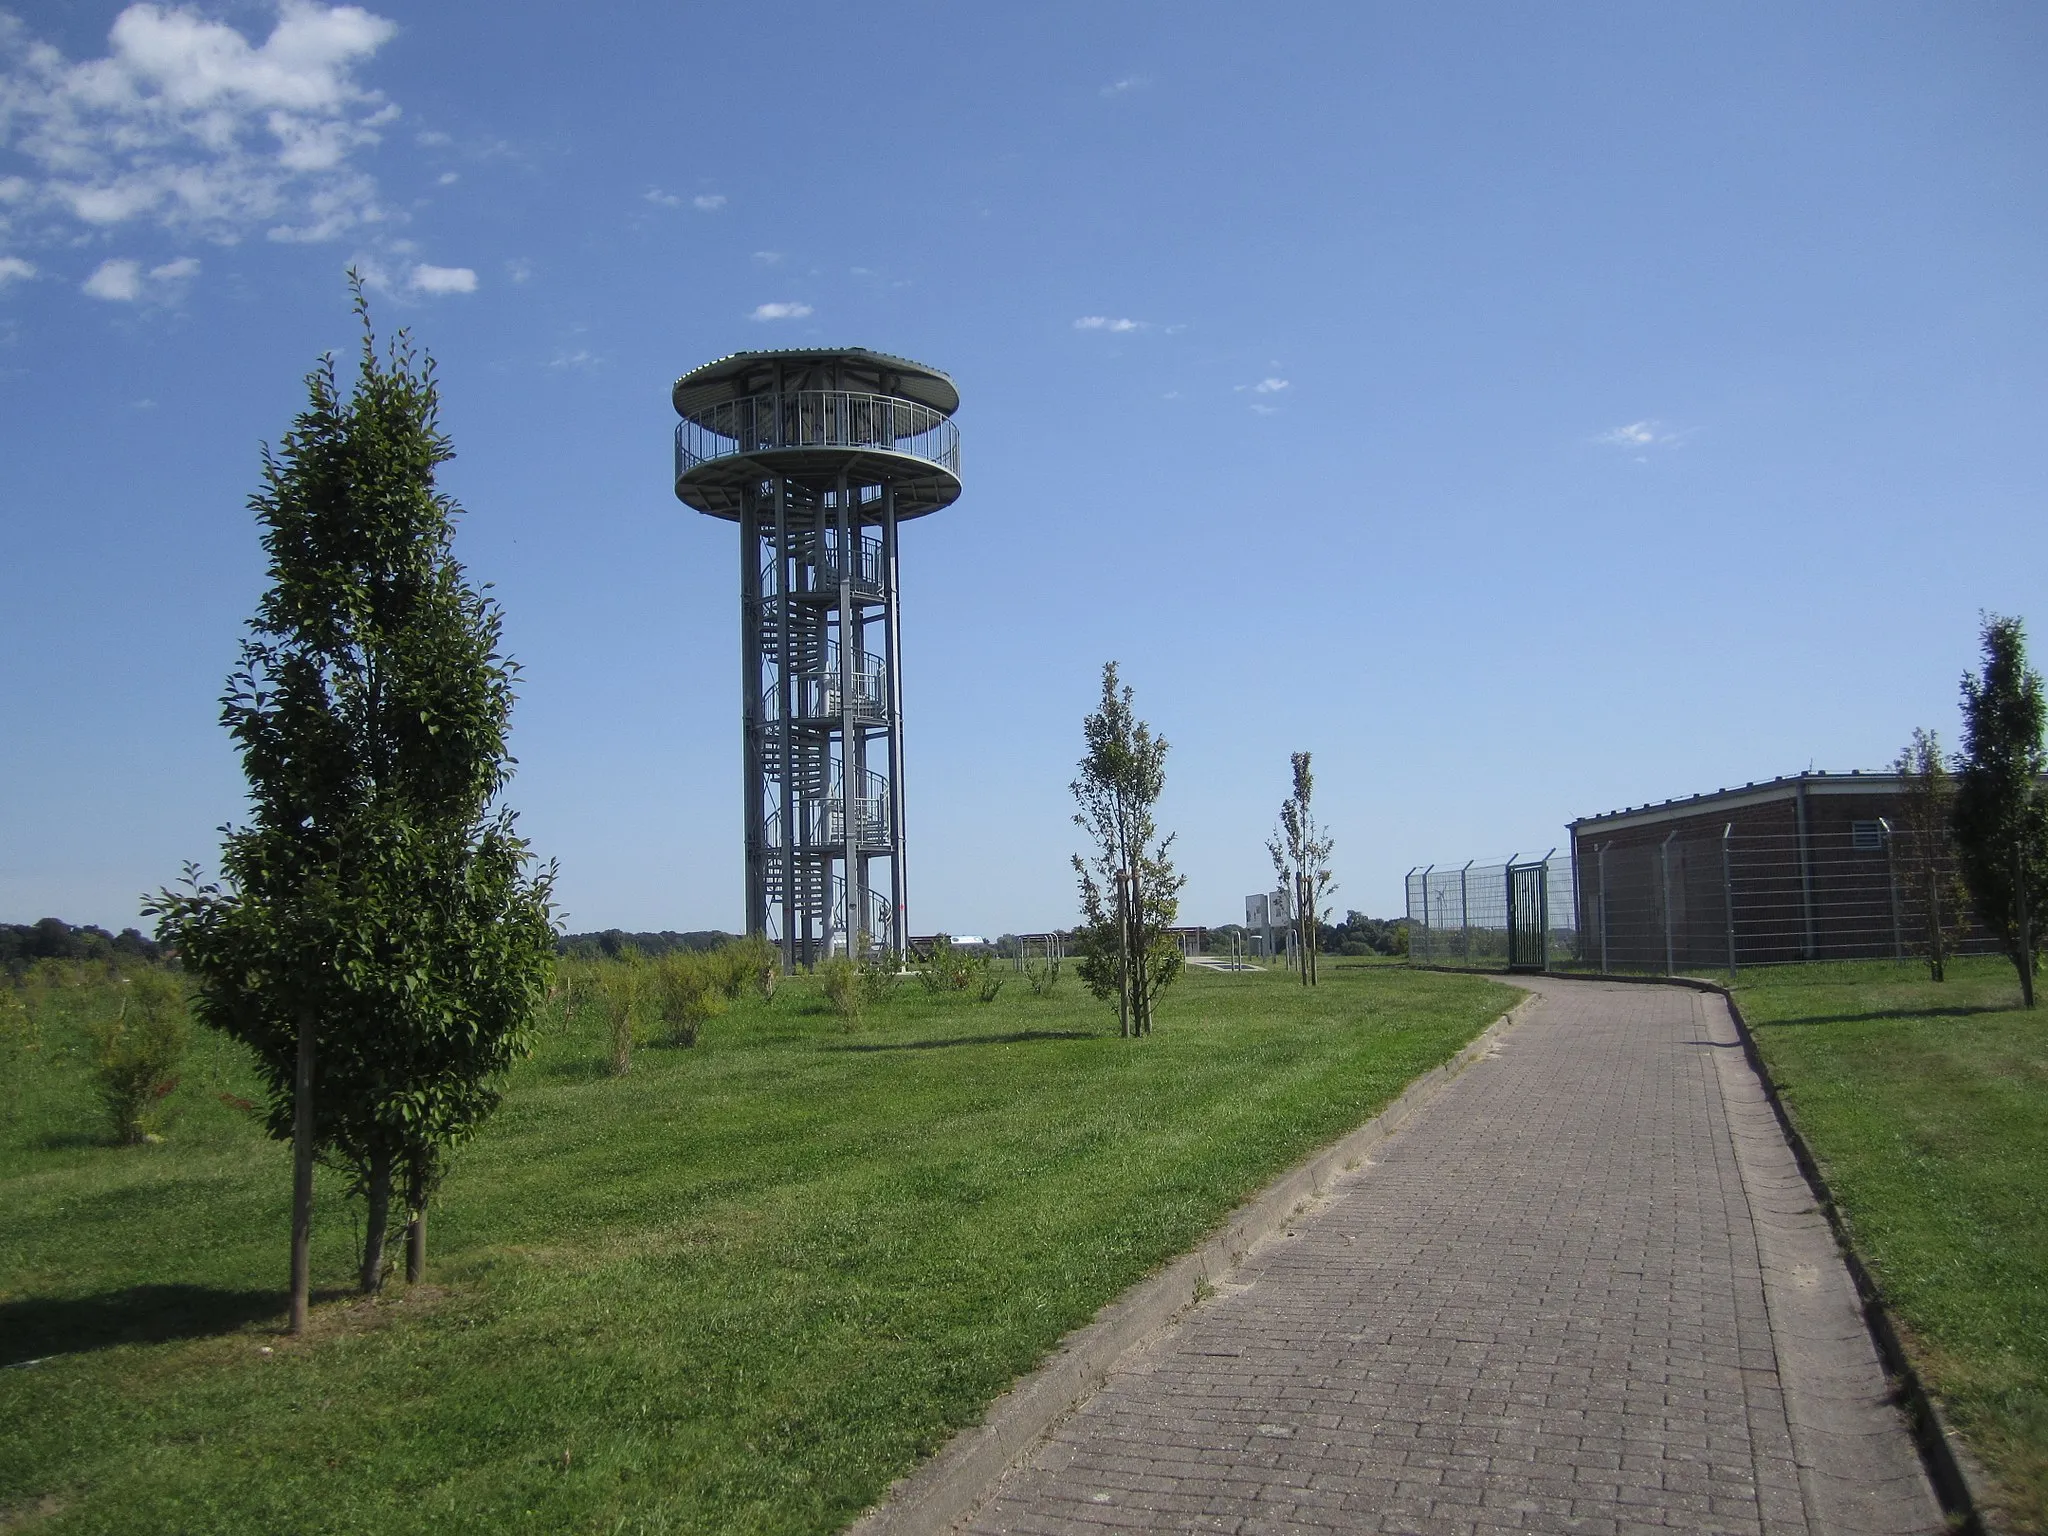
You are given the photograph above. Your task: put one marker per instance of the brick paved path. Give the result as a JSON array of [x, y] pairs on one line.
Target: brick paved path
[[1583, 1291]]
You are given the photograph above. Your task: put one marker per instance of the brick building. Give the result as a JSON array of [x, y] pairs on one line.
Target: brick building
[[1798, 868]]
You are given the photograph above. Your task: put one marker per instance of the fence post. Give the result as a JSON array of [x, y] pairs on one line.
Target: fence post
[[1810, 949], [1600, 859], [1728, 894], [1891, 878], [1465, 911], [1664, 858]]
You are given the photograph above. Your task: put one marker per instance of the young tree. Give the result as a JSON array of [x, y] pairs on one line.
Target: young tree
[[377, 938], [1301, 862], [1924, 845], [2001, 822], [1130, 894]]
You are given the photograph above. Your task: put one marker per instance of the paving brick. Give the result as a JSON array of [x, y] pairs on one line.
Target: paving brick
[[1546, 1305]]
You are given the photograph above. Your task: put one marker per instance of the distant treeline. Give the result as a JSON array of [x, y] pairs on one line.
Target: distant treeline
[[608, 944], [21, 944]]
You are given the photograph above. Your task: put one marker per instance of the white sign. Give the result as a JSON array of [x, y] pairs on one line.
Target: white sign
[[1255, 912], [1281, 908]]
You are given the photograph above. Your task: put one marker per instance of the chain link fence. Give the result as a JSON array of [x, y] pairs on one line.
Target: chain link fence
[[1519, 914], [1692, 903]]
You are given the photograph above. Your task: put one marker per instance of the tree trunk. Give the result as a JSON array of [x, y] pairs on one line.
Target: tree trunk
[[2025, 960], [372, 1278], [1937, 960], [416, 1246], [302, 1176]]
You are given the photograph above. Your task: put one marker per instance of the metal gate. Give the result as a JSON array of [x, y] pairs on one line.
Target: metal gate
[[1528, 916]]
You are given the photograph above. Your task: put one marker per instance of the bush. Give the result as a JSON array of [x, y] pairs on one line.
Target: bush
[[1043, 974], [621, 984], [946, 969], [749, 962], [879, 977], [690, 988], [842, 983], [135, 1054], [986, 978]]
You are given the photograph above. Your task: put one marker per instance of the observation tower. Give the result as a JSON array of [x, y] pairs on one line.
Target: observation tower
[[820, 456]]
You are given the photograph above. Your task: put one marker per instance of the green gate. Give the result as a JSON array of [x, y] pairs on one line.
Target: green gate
[[1528, 916]]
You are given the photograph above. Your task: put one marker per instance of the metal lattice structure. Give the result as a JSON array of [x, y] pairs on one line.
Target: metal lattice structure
[[820, 456]]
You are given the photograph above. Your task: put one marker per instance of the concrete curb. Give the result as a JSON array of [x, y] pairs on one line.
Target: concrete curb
[[1960, 1482], [958, 1480]]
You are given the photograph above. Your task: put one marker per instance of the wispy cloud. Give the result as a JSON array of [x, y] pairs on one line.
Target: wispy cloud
[[1124, 86], [1269, 386], [187, 124], [769, 258], [1265, 410], [122, 280], [1106, 323], [790, 310], [708, 202], [1641, 435], [13, 270], [581, 359], [661, 199], [428, 279], [447, 179]]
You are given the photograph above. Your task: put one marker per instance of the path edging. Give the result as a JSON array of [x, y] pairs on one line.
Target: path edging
[[958, 1479], [1959, 1480]]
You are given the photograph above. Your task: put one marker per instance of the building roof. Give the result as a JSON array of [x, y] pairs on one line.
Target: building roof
[[1856, 781], [740, 374]]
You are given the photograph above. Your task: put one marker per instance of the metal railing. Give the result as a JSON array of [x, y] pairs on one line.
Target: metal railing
[[817, 418], [819, 694], [821, 820]]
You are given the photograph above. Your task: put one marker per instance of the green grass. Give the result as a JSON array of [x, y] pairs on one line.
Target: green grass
[[740, 1289], [1927, 1108]]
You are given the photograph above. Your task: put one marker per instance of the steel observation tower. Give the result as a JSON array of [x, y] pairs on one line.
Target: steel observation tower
[[819, 456]]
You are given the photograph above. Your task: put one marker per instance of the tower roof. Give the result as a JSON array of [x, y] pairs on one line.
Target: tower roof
[[855, 368]]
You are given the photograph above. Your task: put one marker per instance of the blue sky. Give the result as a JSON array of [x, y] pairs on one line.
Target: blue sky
[[1527, 410]]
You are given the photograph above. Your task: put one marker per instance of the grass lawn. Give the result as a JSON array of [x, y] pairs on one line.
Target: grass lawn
[[1927, 1107], [740, 1289]]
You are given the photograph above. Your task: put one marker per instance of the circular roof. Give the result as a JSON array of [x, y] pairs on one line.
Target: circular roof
[[855, 368]]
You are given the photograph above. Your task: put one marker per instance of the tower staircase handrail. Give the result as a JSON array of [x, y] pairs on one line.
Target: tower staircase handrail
[[817, 418]]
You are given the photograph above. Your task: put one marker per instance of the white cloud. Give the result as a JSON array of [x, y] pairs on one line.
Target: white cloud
[[769, 258], [438, 280], [121, 280], [117, 279], [447, 179], [1269, 386], [582, 359], [661, 199], [1641, 434], [186, 124], [708, 202], [1127, 84], [13, 269], [1265, 410], [433, 138], [786, 311], [1105, 323], [518, 269]]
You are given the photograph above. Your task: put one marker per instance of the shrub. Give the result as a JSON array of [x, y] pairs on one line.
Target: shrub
[[879, 977], [984, 975], [842, 983], [1043, 975], [749, 962], [135, 1054], [946, 969], [622, 983], [689, 988]]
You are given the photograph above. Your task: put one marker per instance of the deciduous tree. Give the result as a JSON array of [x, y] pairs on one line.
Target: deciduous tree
[[2001, 822], [1301, 861], [1130, 894], [379, 937], [1924, 846]]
